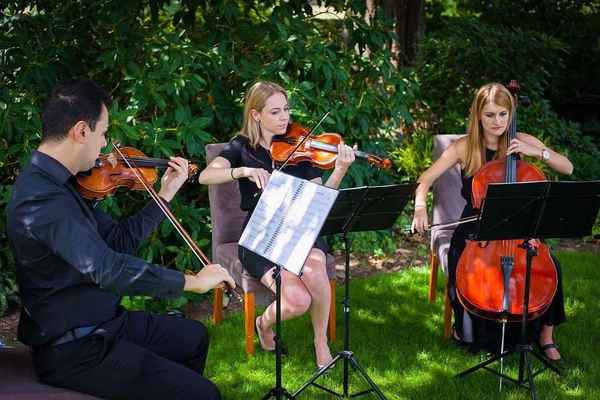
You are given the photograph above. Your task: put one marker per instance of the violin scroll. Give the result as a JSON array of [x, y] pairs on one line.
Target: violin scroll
[[381, 163]]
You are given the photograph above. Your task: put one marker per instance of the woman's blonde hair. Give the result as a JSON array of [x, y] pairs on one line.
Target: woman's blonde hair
[[256, 97], [491, 93]]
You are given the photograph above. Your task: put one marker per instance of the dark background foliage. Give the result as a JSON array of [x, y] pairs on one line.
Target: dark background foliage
[[178, 71]]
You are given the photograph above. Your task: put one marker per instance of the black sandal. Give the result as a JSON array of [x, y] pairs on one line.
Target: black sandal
[[548, 346], [457, 340]]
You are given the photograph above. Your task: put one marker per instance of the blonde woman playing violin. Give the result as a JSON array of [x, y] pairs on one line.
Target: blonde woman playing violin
[[247, 159]]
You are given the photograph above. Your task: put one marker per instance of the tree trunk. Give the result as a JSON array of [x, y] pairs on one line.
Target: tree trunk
[[409, 26]]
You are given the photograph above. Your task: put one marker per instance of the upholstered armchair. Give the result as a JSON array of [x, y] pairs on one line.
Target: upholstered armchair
[[227, 219], [447, 206]]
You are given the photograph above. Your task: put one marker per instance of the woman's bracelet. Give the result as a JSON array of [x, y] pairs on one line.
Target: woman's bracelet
[[420, 206], [231, 171]]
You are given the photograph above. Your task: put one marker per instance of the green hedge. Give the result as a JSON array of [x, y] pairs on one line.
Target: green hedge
[[465, 53], [178, 75], [178, 72]]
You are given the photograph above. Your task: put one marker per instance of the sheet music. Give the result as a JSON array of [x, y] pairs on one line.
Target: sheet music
[[287, 220]]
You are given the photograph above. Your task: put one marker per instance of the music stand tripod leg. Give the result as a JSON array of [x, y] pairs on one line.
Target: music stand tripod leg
[[346, 355], [278, 392]]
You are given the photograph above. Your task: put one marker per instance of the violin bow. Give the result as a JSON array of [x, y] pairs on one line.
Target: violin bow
[[443, 225], [173, 220]]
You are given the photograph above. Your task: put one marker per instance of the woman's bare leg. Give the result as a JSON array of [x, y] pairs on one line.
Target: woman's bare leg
[[314, 276], [547, 338], [295, 301], [312, 291]]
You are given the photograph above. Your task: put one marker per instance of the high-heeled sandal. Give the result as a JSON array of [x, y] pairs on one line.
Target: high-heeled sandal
[[257, 326], [257, 329], [320, 367]]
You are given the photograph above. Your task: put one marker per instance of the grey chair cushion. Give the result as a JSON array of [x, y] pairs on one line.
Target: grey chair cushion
[[227, 219], [19, 382], [447, 201]]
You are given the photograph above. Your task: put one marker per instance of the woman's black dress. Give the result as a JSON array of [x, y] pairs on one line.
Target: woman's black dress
[[240, 153], [480, 333]]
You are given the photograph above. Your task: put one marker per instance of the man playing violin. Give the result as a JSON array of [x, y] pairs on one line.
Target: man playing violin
[[74, 263], [247, 158]]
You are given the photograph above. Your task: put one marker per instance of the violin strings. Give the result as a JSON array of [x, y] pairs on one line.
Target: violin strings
[[144, 160]]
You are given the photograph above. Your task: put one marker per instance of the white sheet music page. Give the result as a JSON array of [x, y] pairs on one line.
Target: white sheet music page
[[287, 220]]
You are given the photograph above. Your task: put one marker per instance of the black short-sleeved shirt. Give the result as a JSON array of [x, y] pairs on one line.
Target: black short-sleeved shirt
[[240, 153]]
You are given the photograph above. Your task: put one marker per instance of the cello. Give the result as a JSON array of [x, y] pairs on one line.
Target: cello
[[490, 277]]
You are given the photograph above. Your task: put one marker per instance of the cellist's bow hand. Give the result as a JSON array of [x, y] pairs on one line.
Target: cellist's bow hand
[[173, 178], [209, 277], [420, 221]]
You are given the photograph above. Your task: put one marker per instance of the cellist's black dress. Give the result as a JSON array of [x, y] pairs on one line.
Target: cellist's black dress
[[481, 333]]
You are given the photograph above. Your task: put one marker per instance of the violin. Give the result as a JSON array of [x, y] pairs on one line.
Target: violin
[[320, 150], [112, 172], [138, 175], [490, 280]]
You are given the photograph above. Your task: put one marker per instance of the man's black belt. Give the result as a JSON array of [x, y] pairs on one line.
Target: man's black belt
[[74, 334]]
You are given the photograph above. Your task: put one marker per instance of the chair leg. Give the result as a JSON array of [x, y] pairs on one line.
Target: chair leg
[[249, 317], [433, 273], [218, 306], [332, 313], [447, 314]]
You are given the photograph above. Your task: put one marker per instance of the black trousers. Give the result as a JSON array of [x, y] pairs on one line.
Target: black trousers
[[137, 355]]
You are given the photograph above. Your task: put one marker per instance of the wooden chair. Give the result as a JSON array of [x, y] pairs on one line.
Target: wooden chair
[[19, 382], [447, 206], [227, 219]]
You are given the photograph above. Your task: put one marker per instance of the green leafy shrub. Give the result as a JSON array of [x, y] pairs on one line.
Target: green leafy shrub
[[178, 73], [467, 53]]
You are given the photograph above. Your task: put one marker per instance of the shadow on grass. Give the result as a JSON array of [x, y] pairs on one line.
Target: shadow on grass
[[396, 335]]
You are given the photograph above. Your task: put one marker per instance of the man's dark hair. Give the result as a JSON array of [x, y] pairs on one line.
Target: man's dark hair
[[69, 103]]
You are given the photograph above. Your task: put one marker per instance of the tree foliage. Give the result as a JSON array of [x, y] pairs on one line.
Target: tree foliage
[[178, 72], [465, 53]]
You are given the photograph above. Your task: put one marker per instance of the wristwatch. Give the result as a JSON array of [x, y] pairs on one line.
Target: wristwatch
[[545, 155]]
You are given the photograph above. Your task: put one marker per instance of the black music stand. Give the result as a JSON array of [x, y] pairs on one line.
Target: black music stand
[[528, 210], [359, 209], [278, 392]]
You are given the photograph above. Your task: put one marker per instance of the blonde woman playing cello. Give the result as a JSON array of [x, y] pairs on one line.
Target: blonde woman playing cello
[[486, 139]]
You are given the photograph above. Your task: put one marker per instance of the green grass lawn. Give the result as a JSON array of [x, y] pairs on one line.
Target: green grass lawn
[[396, 335]]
